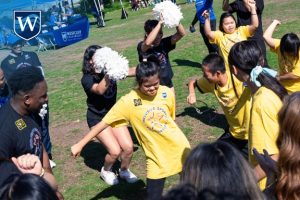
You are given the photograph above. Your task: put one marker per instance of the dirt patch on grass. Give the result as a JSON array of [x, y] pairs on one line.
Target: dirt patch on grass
[[65, 135]]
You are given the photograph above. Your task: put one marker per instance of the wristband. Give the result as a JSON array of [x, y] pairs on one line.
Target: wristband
[[42, 172]]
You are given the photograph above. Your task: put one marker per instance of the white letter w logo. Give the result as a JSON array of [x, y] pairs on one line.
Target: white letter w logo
[[22, 26], [27, 24]]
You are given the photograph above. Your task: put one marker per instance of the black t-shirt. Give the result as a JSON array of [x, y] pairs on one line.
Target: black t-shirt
[[99, 104], [18, 134], [162, 53], [244, 16], [14, 61]]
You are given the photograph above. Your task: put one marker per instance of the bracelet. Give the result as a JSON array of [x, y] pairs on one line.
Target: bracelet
[[42, 172], [253, 14]]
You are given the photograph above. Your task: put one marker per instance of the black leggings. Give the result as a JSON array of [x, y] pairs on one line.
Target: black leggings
[[155, 188]]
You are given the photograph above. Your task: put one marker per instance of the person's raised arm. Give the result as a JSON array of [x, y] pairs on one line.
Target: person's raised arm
[[179, 34], [191, 98], [131, 71], [207, 29], [147, 44], [269, 33], [100, 88], [98, 128], [225, 5], [254, 19]]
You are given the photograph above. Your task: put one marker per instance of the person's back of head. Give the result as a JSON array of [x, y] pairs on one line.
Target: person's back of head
[[25, 79], [27, 187], [288, 186], [247, 56], [221, 169]]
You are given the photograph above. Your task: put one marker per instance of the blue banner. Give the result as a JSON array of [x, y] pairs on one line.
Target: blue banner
[[71, 33]]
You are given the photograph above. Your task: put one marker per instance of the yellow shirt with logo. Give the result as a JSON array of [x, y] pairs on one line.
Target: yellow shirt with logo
[[290, 65], [264, 127], [152, 119], [225, 41], [236, 108]]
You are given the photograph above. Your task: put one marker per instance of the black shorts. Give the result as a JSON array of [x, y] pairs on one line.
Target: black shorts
[[165, 76], [240, 145], [93, 118]]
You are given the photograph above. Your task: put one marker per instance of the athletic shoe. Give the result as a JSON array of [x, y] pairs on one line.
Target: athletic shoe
[[128, 176], [52, 164], [109, 177], [192, 29]]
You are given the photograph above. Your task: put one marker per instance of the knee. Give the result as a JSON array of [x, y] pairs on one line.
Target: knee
[[128, 149], [114, 153]]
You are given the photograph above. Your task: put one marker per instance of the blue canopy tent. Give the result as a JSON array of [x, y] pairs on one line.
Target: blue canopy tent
[[62, 36]]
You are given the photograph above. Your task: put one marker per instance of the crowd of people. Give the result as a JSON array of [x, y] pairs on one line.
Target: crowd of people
[[255, 158]]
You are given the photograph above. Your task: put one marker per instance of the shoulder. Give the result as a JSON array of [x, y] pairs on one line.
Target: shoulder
[[30, 53], [267, 98], [139, 45], [6, 60]]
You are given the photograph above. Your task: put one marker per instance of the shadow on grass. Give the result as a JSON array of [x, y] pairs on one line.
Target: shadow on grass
[[181, 62], [124, 191], [94, 153], [207, 116], [95, 22]]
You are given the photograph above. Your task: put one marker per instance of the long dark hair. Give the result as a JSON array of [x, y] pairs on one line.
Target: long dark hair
[[245, 56], [87, 67], [288, 142], [290, 43], [27, 187], [220, 168]]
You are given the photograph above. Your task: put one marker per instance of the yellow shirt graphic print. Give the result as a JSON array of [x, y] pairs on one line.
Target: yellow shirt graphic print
[[156, 119]]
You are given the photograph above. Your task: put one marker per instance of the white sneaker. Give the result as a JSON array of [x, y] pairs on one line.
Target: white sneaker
[[109, 177], [52, 163], [128, 176]]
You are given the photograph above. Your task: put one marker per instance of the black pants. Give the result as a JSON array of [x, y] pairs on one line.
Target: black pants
[[155, 188], [212, 48], [240, 145]]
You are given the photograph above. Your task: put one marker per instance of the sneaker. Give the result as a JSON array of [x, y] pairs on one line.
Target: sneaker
[[52, 164], [192, 29], [109, 177], [128, 176]]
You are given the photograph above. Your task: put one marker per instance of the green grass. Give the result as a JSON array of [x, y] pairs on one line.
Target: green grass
[[79, 179]]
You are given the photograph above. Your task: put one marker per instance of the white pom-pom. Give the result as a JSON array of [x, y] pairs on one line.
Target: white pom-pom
[[170, 12], [111, 63], [43, 111]]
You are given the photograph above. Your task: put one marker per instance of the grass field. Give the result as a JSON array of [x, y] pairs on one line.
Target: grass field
[[79, 179]]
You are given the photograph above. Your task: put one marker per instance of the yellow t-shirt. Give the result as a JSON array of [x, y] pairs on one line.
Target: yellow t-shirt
[[264, 127], [225, 41], [152, 119], [236, 109], [290, 65]]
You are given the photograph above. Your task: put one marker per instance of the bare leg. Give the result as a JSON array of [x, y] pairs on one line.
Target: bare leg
[[107, 138], [123, 137]]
